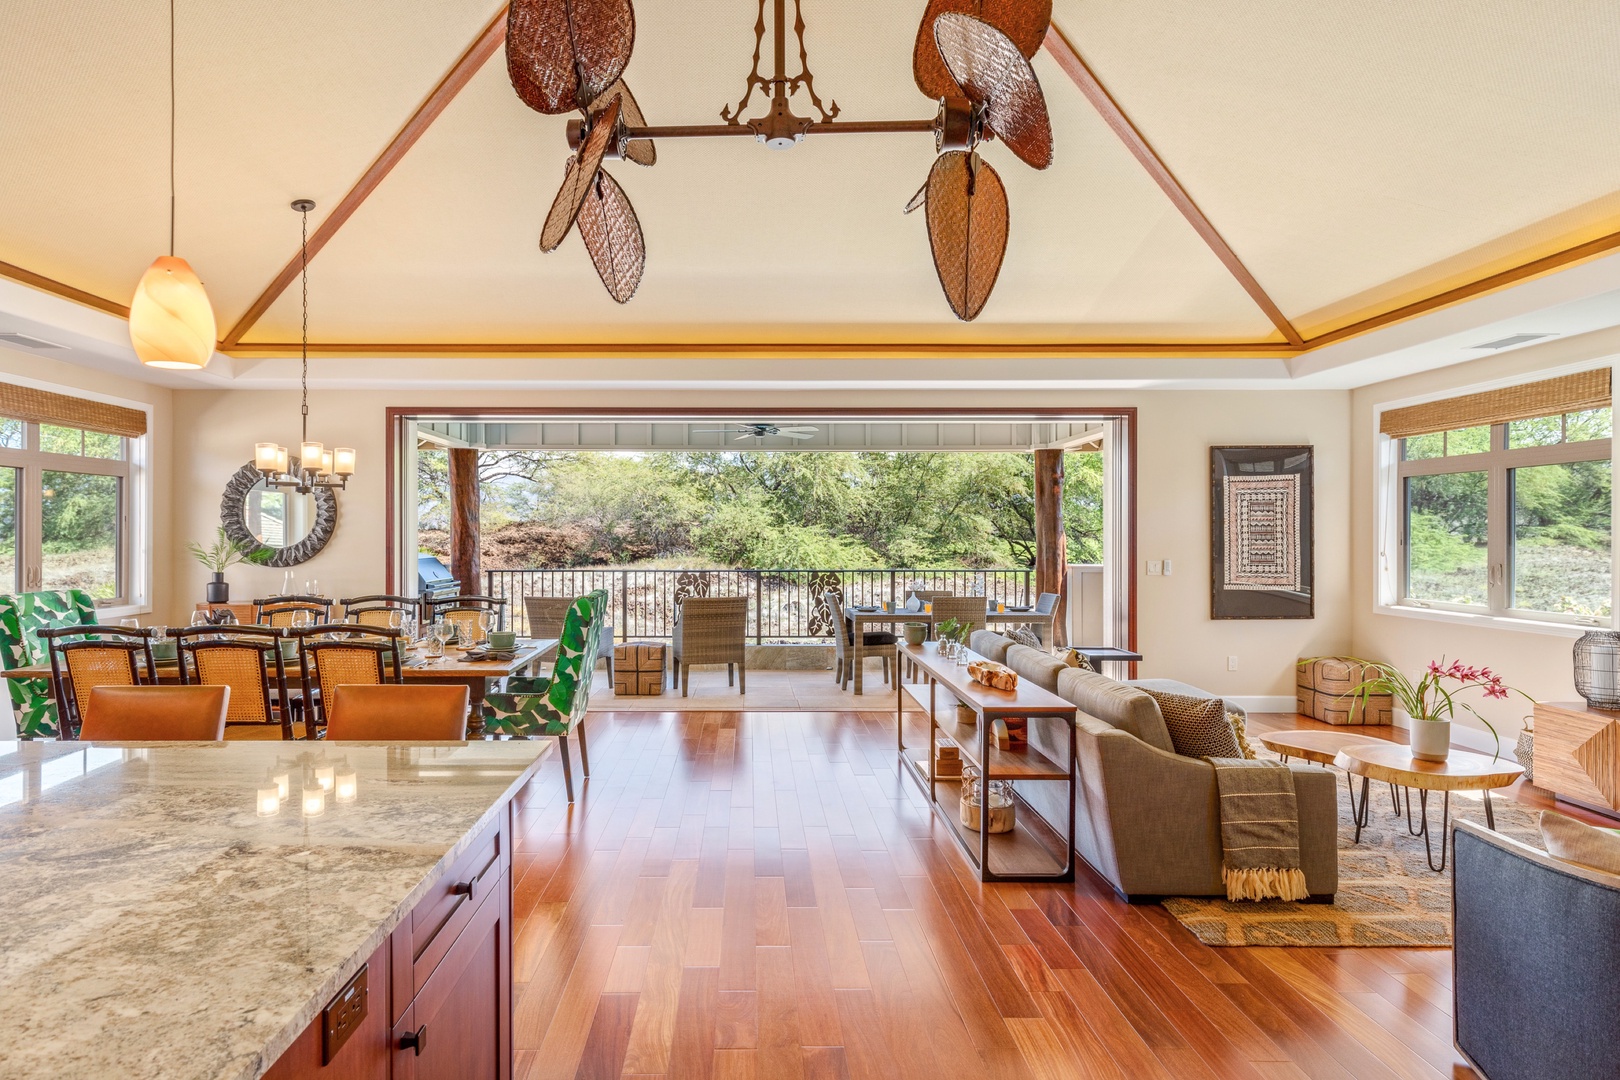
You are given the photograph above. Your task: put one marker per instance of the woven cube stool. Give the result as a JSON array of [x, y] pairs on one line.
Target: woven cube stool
[[638, 668], [1323, 692]]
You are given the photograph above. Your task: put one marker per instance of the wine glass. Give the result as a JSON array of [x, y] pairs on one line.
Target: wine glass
[[485, 618], [199, 618], [302, 619]]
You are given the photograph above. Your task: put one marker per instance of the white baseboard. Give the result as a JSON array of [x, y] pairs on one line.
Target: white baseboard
[[1277, 703]]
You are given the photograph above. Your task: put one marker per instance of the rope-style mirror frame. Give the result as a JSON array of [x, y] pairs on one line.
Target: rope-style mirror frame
[[233, 516]]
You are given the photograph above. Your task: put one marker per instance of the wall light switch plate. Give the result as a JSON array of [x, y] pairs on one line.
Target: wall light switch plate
[[1167, 568], [1231, 663], [1154, 567]]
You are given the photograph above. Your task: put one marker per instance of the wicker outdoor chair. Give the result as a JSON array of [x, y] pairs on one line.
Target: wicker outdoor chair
[[545, 615], [248, 660], [113, 656], [844, 640], [342, 654], [969, 610], [711, 630]]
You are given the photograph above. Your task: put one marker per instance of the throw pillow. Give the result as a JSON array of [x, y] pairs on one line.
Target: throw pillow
[[1240, 729], [1075, 659], [1025, 636], [1199, 727], [1580, 843]]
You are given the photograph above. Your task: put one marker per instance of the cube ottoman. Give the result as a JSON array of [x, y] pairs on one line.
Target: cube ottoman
[[1323, 691], [638, 668]]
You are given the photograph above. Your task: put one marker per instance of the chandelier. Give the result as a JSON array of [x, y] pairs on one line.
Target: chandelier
[[971, 57], [315, 466]]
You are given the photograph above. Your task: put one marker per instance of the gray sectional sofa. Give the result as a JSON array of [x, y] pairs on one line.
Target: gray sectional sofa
[[1146, 818]]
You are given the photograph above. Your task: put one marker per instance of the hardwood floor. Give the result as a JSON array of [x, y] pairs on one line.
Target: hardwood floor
[[764, 895]]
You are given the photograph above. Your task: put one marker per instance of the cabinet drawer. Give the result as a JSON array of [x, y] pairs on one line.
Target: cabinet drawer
[[446, 909]]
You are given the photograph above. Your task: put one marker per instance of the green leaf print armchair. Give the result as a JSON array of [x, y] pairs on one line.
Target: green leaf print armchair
[[21, 618], [556, 704]]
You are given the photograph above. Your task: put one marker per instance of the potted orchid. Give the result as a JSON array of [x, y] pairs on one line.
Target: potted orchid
[[1433, 700]]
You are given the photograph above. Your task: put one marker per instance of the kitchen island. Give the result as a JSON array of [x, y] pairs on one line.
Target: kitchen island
[[231, 910]]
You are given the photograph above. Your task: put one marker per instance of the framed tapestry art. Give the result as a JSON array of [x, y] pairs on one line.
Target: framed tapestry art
[[1262, 517]]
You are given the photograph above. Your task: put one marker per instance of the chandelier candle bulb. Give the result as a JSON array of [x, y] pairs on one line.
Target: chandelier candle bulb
[[324, 776], [269, 801], [314, 801], [283, 789], [309, 455], [325, 468], [343, 459], [265, 456], [281, 460], [348, 786]]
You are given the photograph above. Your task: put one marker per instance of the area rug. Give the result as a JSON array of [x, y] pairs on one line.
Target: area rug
[[1387, 894]]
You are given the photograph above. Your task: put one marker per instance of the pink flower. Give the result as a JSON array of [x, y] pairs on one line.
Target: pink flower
[[1495, 690]]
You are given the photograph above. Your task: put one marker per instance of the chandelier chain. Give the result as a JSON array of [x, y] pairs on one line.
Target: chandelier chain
[[303, 273], [171, 128]]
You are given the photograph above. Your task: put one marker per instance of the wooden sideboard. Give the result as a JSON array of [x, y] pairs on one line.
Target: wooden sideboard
[[1577, 752]]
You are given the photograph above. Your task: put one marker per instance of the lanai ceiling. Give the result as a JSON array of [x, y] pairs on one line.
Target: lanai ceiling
[[1356, 157]]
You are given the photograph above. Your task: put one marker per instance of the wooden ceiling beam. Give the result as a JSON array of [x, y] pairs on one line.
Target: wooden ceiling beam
[[563, 350], [67, 292], [1114, 116], [459, 75]]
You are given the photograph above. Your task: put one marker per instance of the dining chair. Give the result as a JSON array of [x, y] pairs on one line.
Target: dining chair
[[496, 605], [377, 609], [711, 630], [22, 615], [85, 657], [1045, 604], [544, 616], [248, 660], [844, 642], [556, 704], [420, 712], [157, 714], [969, 610], [279, 610], [465, 621], [343, 654]]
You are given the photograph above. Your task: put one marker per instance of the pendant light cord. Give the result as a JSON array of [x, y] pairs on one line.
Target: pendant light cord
[[303, 273], [171, 128]]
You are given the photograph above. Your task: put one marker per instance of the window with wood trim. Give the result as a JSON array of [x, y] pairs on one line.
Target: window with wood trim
[[1509, 516], [64, 510]]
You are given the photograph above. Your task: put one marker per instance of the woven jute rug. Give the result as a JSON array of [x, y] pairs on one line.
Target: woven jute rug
[[1387, 894]]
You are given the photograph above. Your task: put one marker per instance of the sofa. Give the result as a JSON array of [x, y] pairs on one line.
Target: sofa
[[22, 617], [1146, 818]]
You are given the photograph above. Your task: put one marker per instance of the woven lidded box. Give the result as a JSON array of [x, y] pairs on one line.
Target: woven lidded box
[[1324, 691], [638, 668]]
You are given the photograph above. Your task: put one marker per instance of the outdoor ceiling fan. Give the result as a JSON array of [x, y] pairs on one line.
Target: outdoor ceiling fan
[[971, 56], [759, 431]]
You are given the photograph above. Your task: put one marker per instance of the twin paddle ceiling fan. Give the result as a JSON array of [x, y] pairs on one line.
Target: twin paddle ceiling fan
[[971, 56]]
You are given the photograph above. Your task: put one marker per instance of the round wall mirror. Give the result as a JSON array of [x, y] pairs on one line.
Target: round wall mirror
[[293, 525]]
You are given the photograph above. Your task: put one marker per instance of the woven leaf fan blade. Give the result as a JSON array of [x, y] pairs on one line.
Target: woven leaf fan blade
[[582, 169], [1024, 21], [562, 54], [967, 229], [612, 234], [993, 73], [640, 151]]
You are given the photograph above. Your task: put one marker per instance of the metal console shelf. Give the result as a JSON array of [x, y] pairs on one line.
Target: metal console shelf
[[1033, 850]]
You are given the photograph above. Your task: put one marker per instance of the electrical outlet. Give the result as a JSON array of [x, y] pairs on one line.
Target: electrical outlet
[[1154, 566], [1167, 568], [1231, 663]]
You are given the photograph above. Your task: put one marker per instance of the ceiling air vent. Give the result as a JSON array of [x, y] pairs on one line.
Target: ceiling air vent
[[1516, 339], [26, 342]]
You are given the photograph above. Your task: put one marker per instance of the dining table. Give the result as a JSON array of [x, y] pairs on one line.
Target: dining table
[[889, 615]]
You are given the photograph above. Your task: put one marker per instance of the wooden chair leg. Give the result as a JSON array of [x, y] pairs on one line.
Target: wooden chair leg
[[568, 772], [584, 758]]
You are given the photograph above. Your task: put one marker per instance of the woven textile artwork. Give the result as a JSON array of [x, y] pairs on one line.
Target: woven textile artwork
[[1262, 522]]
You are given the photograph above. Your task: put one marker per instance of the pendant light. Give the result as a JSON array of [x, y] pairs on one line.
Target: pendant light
[[318, 467], [171, 323]]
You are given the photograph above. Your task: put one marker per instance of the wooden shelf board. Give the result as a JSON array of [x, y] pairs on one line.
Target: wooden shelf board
[[1027, 763], [1032, 849]]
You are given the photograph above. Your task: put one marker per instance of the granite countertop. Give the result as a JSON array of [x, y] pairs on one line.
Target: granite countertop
[[153, 924]]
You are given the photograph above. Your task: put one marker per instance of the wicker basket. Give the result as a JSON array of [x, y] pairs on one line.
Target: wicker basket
[[1002, 811]]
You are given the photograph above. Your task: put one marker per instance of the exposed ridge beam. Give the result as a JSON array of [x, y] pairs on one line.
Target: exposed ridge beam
[[67, 292], [564, 350], [1075, 68], [459, 75]]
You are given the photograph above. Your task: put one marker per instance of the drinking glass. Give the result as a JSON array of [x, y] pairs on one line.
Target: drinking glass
[[130, 624], [312, 587], [302, 618], [484, 620], [199, 618]]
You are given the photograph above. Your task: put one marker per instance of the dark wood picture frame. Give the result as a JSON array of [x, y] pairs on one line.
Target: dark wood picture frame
[[1263, 514]]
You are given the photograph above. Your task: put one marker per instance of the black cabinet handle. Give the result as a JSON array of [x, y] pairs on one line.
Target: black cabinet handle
[[463, 888], [415, 1040]]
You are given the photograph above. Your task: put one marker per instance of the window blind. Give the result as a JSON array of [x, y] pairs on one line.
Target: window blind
[[44, 407], [1550, 397]]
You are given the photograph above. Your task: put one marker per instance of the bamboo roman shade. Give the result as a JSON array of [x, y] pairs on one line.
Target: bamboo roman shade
[[44, 407], [1550, 397]]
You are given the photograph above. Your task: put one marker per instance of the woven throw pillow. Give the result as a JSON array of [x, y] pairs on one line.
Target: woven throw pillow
[[1198, 726], [1577, 842], [1025, 636], [1075, 659], [1240, 729]]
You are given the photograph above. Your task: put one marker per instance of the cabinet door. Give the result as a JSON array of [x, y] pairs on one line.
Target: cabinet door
[[463, 1015]]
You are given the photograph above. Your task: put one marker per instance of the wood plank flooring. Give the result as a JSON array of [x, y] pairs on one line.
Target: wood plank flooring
[[763, 895]]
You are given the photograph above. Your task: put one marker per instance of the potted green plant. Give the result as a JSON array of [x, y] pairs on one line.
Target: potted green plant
[[219, 557], [1432, 700]]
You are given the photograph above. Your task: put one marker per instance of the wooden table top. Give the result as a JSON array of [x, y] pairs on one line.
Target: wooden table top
[[1394, 763], [413, 666], [869, 615], [1318, 746], [1027, 700]]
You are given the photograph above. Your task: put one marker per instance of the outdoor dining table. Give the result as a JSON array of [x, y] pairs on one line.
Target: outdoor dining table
[[860, 617], [453, 668]]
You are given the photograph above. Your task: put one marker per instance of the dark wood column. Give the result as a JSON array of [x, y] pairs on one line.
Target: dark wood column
[[464, 538], [1051, 543]]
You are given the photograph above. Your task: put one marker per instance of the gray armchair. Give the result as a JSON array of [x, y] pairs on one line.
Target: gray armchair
[[711, 630]]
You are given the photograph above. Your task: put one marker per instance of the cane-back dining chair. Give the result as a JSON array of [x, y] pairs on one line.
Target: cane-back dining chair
[[444, 605], [557, 703], [85, 657], [711, 630], [279, 610], [343, 654], [379, 609], [248, 659]]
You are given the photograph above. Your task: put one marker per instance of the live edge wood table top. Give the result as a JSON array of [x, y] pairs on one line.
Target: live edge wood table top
[[156, 926], [1394, 763]]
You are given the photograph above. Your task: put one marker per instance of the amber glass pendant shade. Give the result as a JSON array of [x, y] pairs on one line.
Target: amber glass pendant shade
[[171, 322]]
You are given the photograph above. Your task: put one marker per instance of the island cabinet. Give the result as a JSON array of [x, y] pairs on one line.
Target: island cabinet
[[437, 993]]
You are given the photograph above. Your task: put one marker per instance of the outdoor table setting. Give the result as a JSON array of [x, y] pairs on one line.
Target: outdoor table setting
[[890, 613]]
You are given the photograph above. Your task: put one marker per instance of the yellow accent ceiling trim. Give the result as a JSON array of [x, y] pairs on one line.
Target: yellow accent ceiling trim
[[776, 349]]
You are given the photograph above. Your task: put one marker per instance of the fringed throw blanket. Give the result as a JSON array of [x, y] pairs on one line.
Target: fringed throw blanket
[[1259, 830]]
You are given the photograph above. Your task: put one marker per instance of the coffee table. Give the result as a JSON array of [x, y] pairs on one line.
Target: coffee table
[[1322, 748], [1461, 771]]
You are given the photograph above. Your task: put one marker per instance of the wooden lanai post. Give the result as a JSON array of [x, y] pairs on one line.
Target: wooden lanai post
[[464, 538], [1051, 542]]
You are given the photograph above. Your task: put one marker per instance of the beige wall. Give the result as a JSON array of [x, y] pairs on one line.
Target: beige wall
[[215, 432], [1538, 663]]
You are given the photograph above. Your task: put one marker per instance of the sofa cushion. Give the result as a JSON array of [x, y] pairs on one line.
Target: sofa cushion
[[1198, 725], [1040, 668], [1114, 703], [1023, 635], [1176, 686], [990, 645], [1580, 843]]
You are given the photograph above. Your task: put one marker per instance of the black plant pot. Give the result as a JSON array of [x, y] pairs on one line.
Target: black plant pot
[[219, 590]]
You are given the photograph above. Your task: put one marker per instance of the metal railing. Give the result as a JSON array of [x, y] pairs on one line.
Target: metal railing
[[785, 605]]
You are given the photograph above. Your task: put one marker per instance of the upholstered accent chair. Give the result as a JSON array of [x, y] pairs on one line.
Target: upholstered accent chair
[[711, 630], [556, 704], [21, 618]]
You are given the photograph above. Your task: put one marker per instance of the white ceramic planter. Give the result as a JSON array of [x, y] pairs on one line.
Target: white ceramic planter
[[1430, 739]]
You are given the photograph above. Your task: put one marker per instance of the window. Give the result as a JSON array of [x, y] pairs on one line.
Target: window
[[64, 510], [1511, 518]]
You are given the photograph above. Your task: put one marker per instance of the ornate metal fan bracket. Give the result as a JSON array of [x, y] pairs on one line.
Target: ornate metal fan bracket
[[780, 127]]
